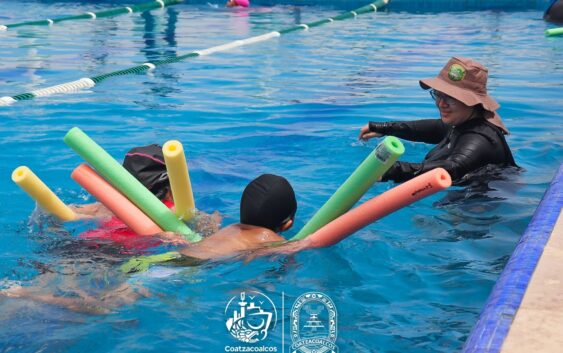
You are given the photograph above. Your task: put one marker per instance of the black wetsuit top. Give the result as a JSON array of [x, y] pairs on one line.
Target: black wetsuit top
[[460, 149]]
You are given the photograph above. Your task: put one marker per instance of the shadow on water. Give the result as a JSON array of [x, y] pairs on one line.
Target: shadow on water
[[153, 49], [477, 205]]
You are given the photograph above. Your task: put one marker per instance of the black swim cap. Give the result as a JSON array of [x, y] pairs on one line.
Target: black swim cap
[[267, 201], [146, 163]]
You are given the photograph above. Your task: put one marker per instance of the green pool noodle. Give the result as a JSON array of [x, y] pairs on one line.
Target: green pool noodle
[[127, 184], [371, 169], [142, 263], [554, 32]]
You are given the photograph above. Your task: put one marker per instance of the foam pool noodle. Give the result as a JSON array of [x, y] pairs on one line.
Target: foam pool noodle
[[367, 173], [34, 187], [554, 32], [142, 263], [400, 196], [126, 183], [124, 209], [179, 176]]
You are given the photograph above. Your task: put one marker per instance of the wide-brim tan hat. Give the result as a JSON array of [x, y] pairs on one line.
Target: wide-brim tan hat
[[466, 80]]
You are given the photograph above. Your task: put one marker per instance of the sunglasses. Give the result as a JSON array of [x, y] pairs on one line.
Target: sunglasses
[[439, 96]]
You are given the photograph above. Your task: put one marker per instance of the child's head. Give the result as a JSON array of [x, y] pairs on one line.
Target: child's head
[[268, 201], [146, 163]]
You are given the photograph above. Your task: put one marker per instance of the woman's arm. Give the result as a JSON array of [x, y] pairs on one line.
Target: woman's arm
[[428, 130], [470, 153]]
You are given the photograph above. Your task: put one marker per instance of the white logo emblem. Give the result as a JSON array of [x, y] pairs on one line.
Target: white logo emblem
[[313, 324], [250, 319]]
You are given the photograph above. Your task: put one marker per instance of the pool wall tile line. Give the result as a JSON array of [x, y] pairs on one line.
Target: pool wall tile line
[[415, 5], [493, 325]]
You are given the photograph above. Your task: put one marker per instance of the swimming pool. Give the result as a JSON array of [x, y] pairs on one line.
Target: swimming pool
[[413, 282]]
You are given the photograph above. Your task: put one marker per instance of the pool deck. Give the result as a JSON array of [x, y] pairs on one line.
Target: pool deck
[[538, 323]]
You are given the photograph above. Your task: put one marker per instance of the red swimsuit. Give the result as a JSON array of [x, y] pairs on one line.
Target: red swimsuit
[[115, 230]]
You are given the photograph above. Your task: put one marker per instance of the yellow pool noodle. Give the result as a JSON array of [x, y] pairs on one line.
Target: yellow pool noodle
[[179, 176], [34, 187]]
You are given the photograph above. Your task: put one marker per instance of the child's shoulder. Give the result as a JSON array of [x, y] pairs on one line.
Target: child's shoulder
[[253, 233]]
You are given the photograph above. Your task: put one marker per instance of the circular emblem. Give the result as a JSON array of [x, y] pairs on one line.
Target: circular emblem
[[251, 317], [456, 72], [313, 324]]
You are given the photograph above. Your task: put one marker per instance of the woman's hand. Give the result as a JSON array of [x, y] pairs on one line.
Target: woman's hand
[[172, 238], [365, 134]]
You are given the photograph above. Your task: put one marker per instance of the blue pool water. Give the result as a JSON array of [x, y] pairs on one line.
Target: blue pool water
[[412, 282]]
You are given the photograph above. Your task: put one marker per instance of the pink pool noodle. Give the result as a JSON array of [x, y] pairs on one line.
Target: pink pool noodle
[[124, 209], [380, 206]]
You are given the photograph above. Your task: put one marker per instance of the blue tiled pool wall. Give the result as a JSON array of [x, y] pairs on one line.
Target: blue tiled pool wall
[[494, 322]]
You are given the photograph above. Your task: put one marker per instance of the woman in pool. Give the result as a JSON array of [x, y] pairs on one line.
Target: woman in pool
[[469, 134]]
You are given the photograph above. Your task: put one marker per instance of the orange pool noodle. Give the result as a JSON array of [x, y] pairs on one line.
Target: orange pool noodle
[[380, 206], [124, 209]]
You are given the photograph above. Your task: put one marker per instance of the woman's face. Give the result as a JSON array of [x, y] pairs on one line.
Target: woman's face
[[452, 111]]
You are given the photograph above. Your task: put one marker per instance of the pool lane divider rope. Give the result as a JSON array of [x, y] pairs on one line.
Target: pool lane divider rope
[[84, 83], [94, 15]]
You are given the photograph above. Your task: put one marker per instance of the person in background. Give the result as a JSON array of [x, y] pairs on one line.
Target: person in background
[[235, 3], [554, 12], [469, 134]]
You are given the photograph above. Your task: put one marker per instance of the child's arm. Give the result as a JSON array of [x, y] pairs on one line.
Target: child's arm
[[171, 238], [205, 223], [82, 302], [279, 248]]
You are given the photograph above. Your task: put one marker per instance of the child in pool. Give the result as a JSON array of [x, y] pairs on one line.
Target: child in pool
[[146, 164], [267, 206]]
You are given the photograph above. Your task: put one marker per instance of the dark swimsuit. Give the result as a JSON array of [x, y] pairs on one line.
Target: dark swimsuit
[[460, 149]]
